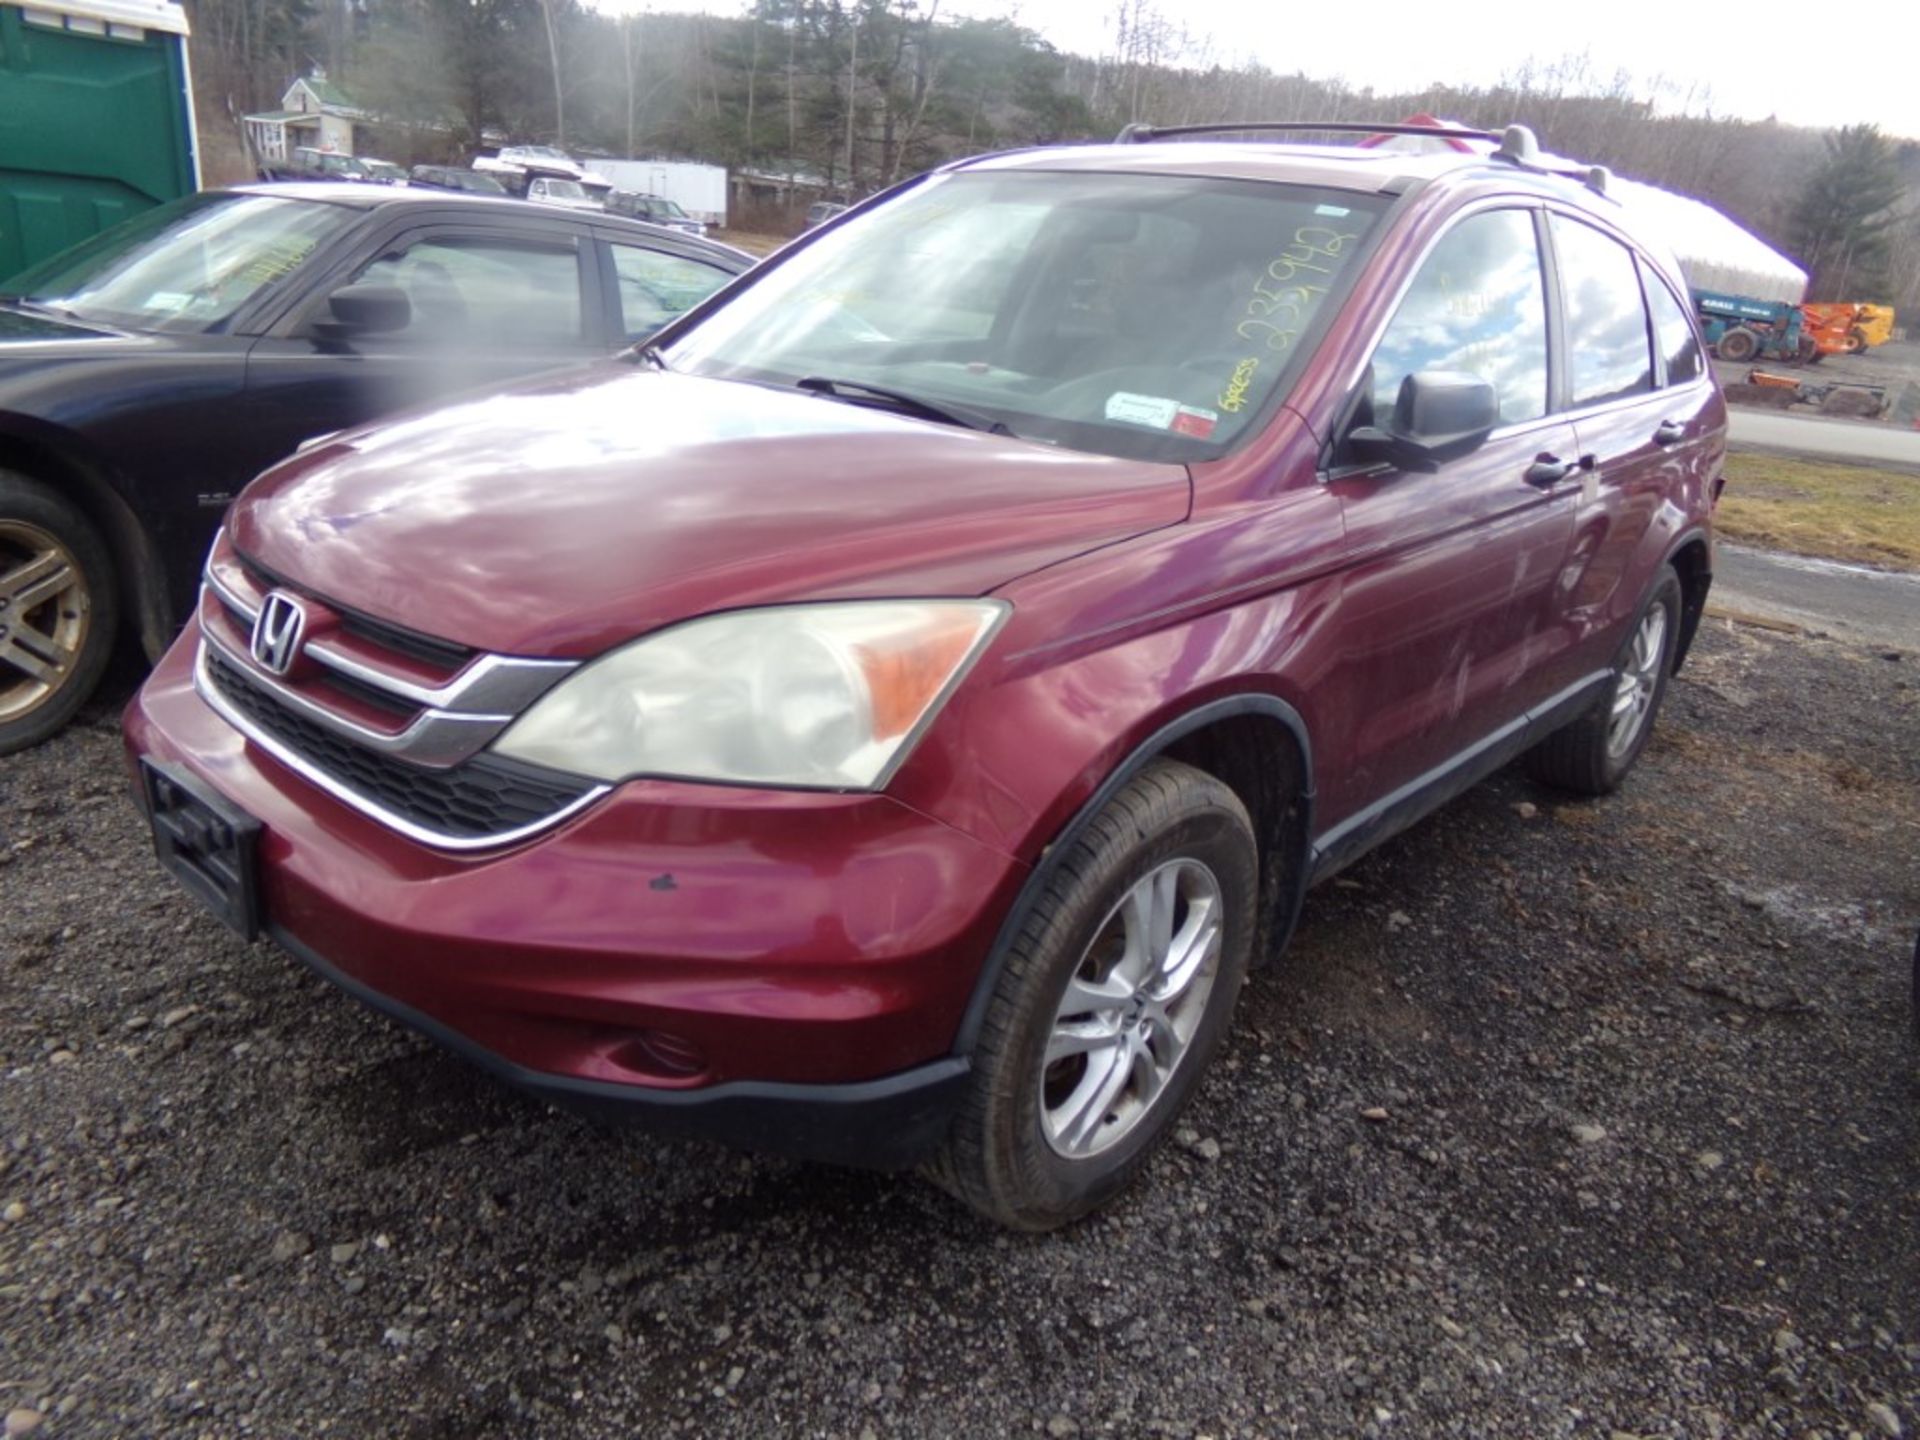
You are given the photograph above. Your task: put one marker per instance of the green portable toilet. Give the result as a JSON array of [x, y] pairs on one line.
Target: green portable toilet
[[96, 119]]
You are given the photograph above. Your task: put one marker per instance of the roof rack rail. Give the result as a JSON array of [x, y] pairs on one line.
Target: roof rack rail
[[1140, 133], [1516, 144]]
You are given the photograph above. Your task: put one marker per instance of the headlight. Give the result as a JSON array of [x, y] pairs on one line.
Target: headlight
[[823, 696]]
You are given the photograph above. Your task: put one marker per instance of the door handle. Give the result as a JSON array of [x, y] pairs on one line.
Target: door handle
[[1671, 432], [1549, 470]]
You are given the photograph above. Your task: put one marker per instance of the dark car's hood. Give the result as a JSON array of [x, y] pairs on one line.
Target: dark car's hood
[[566, 517]]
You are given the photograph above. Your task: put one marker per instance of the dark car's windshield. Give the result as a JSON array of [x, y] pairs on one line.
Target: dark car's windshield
[[1149, 316], [187, 266]]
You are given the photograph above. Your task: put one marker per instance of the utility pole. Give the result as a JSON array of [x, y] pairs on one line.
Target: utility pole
[[553, 52], [853, 70]]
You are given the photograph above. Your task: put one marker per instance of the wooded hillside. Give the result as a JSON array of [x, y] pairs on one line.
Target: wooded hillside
[[865, 92]]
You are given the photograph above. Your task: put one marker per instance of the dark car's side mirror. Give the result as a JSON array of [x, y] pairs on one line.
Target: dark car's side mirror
[[1438, 415], [369, 309]]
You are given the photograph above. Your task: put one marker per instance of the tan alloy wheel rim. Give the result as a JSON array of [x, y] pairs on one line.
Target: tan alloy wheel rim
[[45, 611]]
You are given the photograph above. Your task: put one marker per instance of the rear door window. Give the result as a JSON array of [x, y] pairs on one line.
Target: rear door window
[[1607, 335]]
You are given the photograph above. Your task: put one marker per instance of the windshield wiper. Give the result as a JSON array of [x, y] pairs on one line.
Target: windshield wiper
[[945, 412], [644, 355], [38, 307]]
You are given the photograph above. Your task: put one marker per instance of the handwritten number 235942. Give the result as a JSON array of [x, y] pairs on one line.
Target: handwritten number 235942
[[1312, 248]]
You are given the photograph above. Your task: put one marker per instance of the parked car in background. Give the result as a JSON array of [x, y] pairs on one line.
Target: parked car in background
[[568, 194], [520, 167], [308, 163], [147, 374], [655, 210], [885, 719], [822, 211], [384, 172], [451, 177]]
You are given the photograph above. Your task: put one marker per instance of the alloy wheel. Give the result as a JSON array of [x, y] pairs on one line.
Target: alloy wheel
[[1130, 1009], [45, 611], [1639, 678]]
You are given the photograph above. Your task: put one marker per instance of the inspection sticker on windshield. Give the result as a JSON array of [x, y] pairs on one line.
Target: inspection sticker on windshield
[[1159, 413], [1150, 410], [1195, 422]]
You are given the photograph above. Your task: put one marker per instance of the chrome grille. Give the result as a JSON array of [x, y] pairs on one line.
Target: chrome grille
[[397, 730], [488, 798]]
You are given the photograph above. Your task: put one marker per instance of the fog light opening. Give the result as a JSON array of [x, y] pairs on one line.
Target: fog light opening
[[660, 1053]]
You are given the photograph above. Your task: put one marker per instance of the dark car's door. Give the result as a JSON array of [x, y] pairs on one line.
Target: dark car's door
[[490, 301], [1450, 598]]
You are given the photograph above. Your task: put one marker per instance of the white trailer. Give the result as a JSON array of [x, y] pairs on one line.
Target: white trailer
[[700, 190]]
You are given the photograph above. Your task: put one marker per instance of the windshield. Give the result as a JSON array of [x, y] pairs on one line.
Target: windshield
[[670, 208], [482, 184], [539, 152], [186, 266], [1148, 316], [563, 190]]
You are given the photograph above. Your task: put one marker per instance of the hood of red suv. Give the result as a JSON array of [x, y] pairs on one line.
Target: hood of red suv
[[563, 518]]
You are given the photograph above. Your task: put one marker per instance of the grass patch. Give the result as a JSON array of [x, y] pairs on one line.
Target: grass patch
[[1838, 512]]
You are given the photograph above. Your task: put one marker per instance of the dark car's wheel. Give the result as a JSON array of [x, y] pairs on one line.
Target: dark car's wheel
[[57, 610], [1593, 754], [1112, 1001]]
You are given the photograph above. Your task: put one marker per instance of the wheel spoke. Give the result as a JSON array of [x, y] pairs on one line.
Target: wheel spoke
[[1080, 1037], [1147, 1076], [1625, 698], [1094, 997], [1148, 917], [1198, 940], [40, 579], [1086, 1109], [46, 668]]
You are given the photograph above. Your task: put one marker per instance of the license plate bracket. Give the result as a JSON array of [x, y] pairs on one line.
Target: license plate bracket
[[206, 842]]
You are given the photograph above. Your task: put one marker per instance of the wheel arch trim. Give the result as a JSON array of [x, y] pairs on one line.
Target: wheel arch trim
[[62, 460], [1692, 607], [1156, 744]]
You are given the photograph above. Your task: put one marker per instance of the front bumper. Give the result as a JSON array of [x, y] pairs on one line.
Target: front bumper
[[777, 970]]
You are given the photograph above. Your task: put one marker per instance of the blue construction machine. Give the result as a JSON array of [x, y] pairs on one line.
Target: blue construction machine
[[1740, 328]]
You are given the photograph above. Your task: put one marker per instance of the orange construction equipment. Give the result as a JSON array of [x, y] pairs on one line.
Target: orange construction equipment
[[1844, 328]]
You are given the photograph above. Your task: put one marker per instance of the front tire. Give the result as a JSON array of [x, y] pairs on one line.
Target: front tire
[[1112, 1000], [58, 609], [1593, 754]]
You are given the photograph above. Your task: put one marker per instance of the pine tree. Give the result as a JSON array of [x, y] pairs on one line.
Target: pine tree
[[1846, 218]]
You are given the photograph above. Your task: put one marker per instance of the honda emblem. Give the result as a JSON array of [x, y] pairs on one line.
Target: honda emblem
[[277, 632]]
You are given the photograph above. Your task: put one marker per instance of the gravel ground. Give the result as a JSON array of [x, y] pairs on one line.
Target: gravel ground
[[1558, 1119]]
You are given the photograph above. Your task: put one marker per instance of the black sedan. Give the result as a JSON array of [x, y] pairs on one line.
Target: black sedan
[[148, 374]]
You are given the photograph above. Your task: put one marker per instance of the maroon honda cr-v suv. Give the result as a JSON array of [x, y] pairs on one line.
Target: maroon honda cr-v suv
[[882, 720]]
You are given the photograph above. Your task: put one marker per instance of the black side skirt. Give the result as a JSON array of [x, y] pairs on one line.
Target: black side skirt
[[1391, 814]]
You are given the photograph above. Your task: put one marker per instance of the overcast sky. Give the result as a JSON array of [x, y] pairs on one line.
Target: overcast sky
[[1757, 59]]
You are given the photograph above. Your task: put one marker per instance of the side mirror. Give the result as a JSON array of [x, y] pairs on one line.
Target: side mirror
[[1438, 415], [370, 309]]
